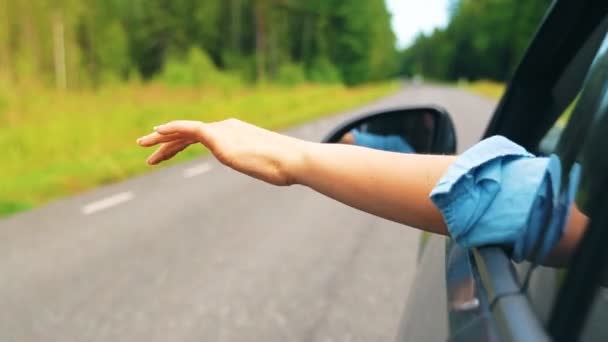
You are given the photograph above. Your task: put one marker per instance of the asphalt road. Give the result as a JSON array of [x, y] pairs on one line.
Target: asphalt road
[[197, 252]]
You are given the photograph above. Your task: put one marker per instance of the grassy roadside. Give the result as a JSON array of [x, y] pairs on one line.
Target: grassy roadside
[[495, 90], [490, 89], [58, 144]]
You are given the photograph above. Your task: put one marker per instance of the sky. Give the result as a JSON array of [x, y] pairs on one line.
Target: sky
[[413, 16]]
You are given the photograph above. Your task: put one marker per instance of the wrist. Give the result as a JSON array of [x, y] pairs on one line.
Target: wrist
[[298, 167]]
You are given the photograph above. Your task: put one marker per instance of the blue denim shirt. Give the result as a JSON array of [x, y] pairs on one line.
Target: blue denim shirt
[[496, 193], [392, 143]]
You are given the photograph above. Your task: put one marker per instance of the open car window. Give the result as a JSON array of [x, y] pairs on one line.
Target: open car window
[[580, 303], [549, 142], [564, 135]]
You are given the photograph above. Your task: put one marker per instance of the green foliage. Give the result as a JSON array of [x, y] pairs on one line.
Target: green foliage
[[3, 106], [242, 66], [492, 90], [3, 100], [105, 40], [132, 64], [134, 77], [7, 208], [323, 71], [363, 44], [76, 154], [114, 57], [197, 69], [485, 39], [291, 74], [194, 70]]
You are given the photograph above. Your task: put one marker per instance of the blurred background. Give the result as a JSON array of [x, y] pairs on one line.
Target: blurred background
[[81, 79]]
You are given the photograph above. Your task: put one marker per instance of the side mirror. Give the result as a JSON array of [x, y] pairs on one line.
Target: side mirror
[[424, 130]]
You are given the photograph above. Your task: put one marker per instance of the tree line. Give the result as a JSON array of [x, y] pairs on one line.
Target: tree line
[[80, 43], [484, 39]]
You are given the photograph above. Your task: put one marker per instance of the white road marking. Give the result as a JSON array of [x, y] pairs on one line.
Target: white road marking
[[197, 170], [107, 202]]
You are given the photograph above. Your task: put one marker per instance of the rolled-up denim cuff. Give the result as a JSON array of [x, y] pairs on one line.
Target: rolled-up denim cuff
[[487, 196], [497, 193]]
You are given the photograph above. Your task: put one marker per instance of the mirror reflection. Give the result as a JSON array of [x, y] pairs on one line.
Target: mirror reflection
[[404, 132], [460, 282]]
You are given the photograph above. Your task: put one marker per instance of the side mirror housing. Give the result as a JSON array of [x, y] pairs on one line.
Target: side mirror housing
[[425, 130]]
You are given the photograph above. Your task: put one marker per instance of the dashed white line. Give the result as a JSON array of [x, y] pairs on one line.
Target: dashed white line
[[197, 170], [126, 196], [107, 202]]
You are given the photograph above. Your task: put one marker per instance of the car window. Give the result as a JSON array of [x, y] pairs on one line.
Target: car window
[[585, 280], [567, 136], [542, 284], [548, 144]]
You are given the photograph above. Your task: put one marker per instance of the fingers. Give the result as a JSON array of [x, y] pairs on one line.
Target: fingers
[[174, 137], [184, 127], [156, 138], [168, 151]]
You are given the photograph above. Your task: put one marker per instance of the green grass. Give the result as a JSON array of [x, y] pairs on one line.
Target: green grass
[[58, 144], [490, 89], [495, 90]]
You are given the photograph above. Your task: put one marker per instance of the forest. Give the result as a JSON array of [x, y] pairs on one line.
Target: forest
[[81, 79], [484, 39], [85, 43]]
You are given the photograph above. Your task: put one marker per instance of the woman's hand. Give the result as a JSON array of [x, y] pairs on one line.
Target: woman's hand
[[265, 155]]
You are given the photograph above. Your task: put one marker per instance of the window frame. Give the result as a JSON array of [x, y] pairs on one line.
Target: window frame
[[578, 293], [544, 84]]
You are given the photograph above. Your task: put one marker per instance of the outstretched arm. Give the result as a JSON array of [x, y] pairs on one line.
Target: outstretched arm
[[390, 185]]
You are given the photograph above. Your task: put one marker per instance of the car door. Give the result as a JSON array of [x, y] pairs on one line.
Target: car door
[[579, 307], [560, 72], [510, 301]]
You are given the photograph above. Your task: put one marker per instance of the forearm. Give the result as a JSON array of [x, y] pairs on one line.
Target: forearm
[[573, 234], [394, 186]]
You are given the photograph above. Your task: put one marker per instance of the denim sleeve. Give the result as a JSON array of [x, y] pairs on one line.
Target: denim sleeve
[[392, 143], [498, 193]]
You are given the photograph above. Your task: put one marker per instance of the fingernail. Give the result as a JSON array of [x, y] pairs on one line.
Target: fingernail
[[156, 128]]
